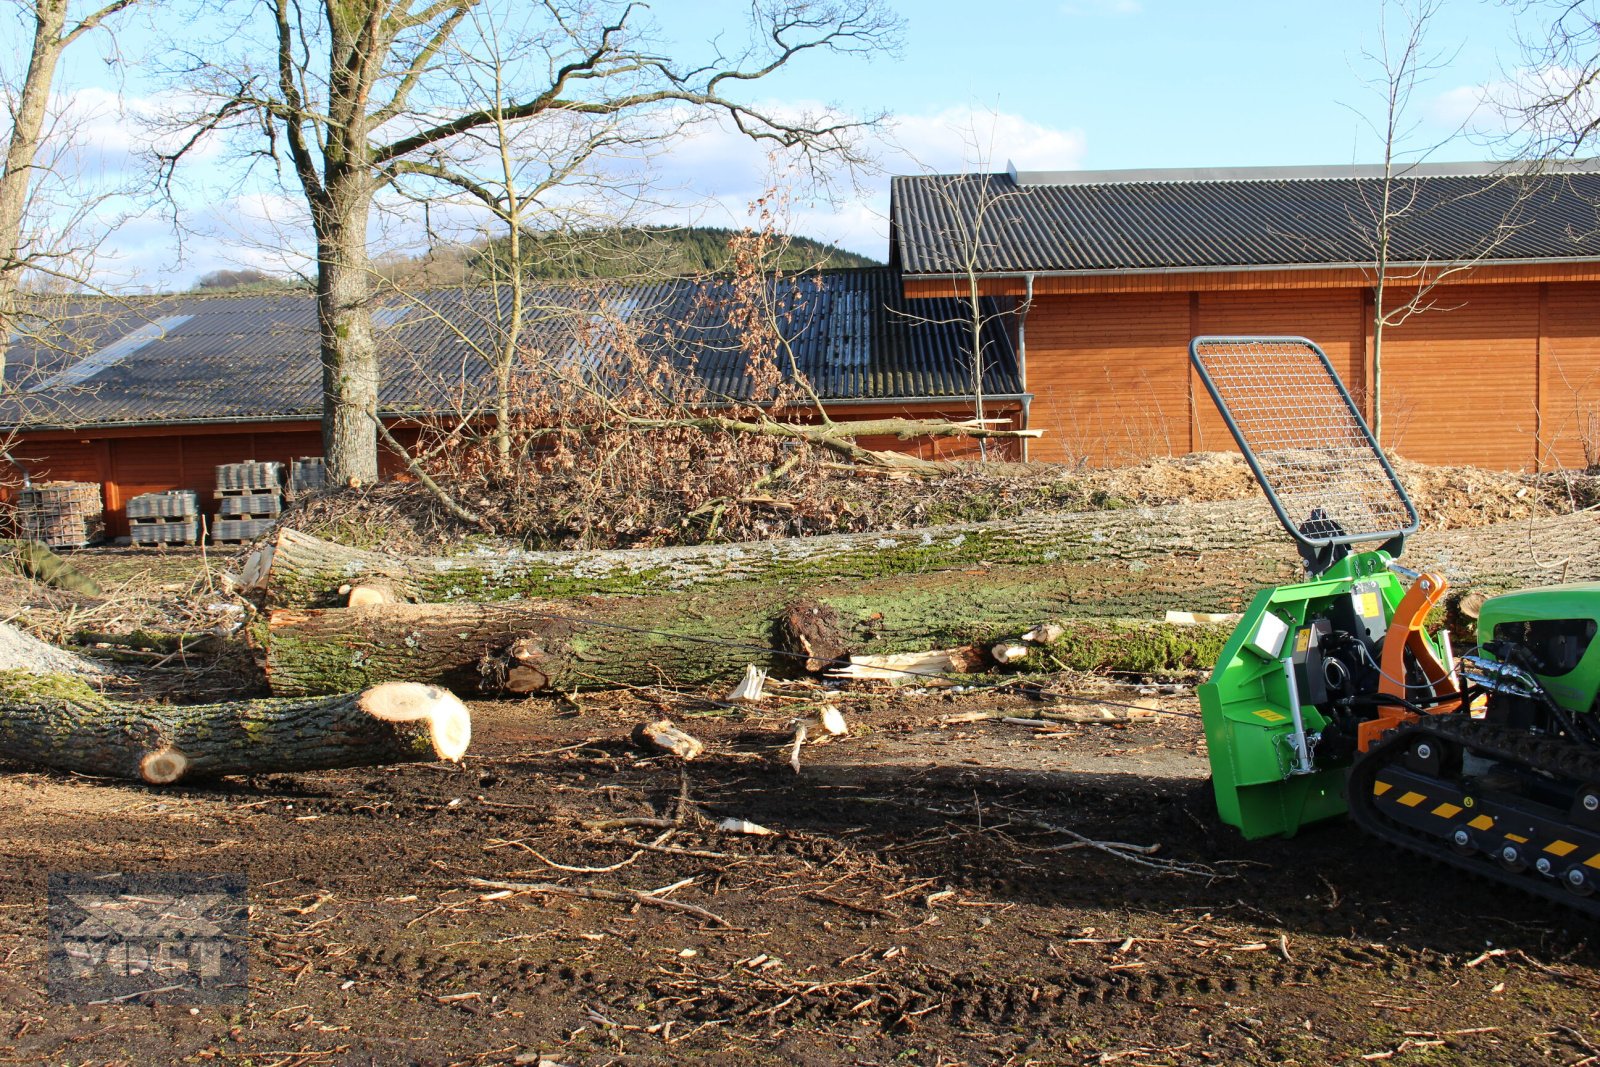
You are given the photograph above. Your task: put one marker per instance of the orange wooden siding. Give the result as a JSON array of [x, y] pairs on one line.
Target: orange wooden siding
[[131, 461], [1569, 376], [1459, 383], [1106, 386], [1504, 375]]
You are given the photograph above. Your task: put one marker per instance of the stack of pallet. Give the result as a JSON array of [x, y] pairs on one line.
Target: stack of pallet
[[249, 499], [305, 474], [170, 518], [62, 514]]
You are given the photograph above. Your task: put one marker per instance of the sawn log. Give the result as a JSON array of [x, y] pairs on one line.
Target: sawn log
[[707, 633], [300, 570], [609, 642], [65, 723]]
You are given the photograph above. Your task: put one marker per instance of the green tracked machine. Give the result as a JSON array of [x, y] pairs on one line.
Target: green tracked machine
[[1333, 697]]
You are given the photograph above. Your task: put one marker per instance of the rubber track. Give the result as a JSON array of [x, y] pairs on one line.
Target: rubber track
[[1561, 759]]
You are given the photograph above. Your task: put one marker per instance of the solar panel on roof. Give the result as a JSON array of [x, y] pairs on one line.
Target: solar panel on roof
[[111, 354]]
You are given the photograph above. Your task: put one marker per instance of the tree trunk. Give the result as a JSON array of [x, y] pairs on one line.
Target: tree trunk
[[306, 571], [615, 642], [18, 175], [1237, 540], [349, 346], [707, 632], [65, 723]]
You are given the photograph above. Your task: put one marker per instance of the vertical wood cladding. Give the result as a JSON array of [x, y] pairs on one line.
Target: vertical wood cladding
[[1334, 319], [1569, 375], [1489, 376], [1459, 383], [1110, 376]]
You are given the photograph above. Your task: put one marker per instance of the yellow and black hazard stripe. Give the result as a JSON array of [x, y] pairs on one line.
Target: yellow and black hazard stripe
[[1537, 835]]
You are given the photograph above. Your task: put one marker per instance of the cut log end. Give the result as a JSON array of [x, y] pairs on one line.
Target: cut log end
[[163, 766], [367, 596], [449, 721]]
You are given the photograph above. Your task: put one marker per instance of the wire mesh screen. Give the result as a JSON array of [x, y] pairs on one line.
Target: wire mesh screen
[[1291, 415]]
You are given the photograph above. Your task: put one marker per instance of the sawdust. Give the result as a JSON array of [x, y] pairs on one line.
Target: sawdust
[[1447, 498]]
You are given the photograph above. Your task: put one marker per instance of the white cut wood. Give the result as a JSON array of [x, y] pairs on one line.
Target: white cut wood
[[665, 736], [833, 722], [1008, 652], [751, 686], [1201, 618], [1045, 634]]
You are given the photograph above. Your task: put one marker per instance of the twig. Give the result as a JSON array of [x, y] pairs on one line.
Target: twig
[[620, 896]]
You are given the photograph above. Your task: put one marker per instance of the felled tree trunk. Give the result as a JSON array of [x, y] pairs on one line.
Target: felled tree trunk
[[65, 723], [605, 642], [708, 633], [304, 571]]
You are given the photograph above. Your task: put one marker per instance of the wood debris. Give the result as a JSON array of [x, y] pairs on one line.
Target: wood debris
[[751, 687], [1201, 618], [663, 735], [1045, 634], [921, 668]]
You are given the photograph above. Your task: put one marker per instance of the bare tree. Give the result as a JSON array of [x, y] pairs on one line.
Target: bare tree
[[1404, 285], [53, 28], [973, 209], [358, 102]]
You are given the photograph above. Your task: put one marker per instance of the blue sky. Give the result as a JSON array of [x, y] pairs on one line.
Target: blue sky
[[1053, 84]]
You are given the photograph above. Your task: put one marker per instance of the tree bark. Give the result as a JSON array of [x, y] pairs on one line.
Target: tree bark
[[65, 723], [17, 177], [706, 633], [615, 642], [306, 571], [1239, 542], [349, 346]]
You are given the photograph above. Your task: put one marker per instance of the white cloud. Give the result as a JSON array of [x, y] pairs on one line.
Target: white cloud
[[713, 173], [709, 175]]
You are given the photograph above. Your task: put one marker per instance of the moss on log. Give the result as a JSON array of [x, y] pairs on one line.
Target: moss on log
[[708, 631], [305, 571], [608, 642], [35, 560], [65, 723]]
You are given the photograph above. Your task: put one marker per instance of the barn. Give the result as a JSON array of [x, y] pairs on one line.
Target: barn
[[1110, 273], [147, 395], [1087, 286]]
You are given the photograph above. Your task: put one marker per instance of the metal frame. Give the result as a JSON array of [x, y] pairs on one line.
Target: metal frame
[[1316, 545]]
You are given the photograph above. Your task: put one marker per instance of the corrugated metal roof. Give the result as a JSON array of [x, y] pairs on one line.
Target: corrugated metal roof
[[946, 224], [237, 358]]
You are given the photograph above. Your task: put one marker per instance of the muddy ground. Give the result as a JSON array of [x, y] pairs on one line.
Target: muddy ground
[[919, 902]]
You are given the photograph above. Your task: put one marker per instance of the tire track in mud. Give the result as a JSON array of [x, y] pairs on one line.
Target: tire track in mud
[[961, 999]]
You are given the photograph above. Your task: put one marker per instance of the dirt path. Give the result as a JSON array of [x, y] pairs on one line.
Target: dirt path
[[909, 910]]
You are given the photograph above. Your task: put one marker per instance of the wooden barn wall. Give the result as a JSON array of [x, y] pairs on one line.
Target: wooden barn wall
[[1111, 378], [1460, 384], [128, 462], [1569, 376]]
